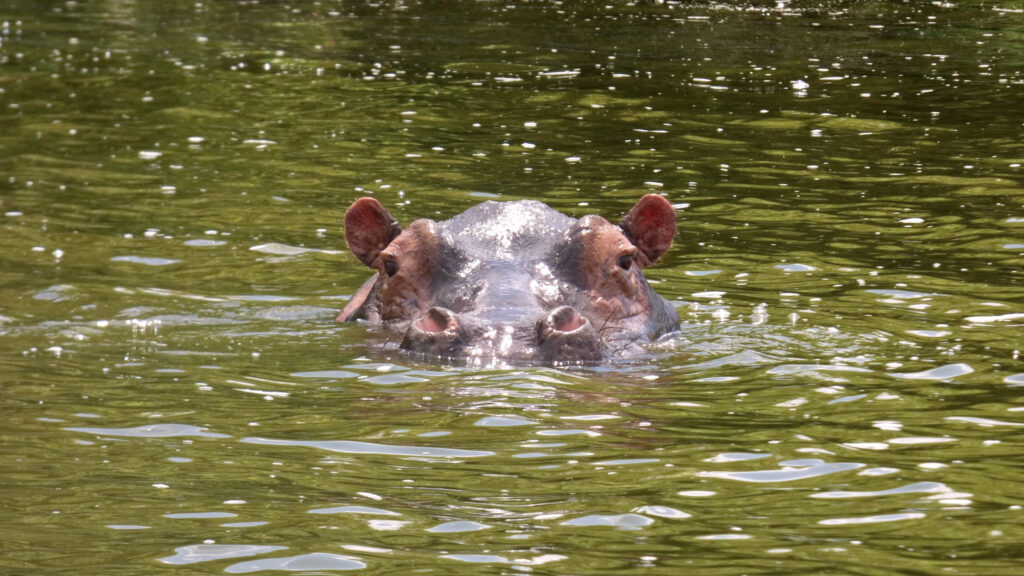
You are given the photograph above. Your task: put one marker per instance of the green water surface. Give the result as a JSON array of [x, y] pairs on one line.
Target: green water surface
[[846, 395]]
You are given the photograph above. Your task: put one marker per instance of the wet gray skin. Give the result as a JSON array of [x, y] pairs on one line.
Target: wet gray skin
[[513, 282]]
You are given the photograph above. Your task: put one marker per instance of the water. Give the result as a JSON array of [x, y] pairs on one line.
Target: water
[[844, 396]]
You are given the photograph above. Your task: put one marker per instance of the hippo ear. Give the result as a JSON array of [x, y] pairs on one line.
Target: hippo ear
[[650, 225], [369, 228]]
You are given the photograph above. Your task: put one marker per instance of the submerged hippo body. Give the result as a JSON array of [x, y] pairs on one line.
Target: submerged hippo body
[[513, 281]]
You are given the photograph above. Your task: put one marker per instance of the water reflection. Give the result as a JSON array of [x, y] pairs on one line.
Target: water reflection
[[923, 487], [791, 470], [621, 521], [354, 510], [301, 563], [151, 431], [207, 552], [352, 447], [872, 519]]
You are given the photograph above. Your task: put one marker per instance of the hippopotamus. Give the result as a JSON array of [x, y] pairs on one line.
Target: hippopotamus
[[513, 282]]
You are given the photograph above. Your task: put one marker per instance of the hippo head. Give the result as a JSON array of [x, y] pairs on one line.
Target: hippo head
[[513, 281]]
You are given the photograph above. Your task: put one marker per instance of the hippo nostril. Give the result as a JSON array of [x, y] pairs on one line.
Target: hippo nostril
[[436, 321], [435, 333], [565, 319], [563, 335]]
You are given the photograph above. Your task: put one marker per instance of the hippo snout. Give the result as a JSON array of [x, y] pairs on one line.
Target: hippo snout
[[560, 335], [564, 335]]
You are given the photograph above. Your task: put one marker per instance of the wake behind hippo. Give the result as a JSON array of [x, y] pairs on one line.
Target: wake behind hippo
[[513, 282]]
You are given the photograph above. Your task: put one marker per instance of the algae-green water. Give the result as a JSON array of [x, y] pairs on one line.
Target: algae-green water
[[844, 396]]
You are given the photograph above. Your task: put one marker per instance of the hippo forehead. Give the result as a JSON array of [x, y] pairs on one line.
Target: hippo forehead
[[521, 231]]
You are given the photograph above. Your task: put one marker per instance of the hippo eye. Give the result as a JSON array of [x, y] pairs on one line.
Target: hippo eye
[[626, 261], [390, 267]]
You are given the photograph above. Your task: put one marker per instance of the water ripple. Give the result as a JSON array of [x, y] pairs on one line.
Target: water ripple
[[872, 519], [354, 510], [786, 369], [503, 421], [916, 487], [662, 512], [947, 372], [1011, 317], [791, 470], [278, 249], [478, 558], [145, 260], [983, 422], [199, 515], [354, 447], [495, 559], [458, 526], [327, 374], [301, 563], [620, 521], [152, 431], [626, 461], [207, 552]]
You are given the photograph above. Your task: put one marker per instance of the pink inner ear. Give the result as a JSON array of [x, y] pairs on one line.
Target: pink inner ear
[[369, 228], [651, 226]]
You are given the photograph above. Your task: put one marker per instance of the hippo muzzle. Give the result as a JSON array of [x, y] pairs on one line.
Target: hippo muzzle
[[560, 336], [513, 281]]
